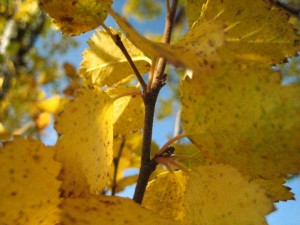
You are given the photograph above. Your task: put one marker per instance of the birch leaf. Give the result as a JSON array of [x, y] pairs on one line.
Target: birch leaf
[[165, 195], [197, 55], [85, 144], [244, 117], [104, 63], [75, 17], [258, 32], [29, 186], [219, 194], [111, 210], [128, 110]]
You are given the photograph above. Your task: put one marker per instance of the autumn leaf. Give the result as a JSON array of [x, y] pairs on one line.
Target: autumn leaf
[[128, 110], [112, 210], [244, 117], [197, 55], [51, 105], [75, 17], [29, 186], [85, 143], [104, 63], [258, 32], [165, 195], [219, 194]]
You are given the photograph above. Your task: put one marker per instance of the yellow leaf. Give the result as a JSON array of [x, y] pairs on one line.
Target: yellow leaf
[[94, 210], [126, 152], [51, 105], [42, 120], [197, 55], [26, 11], [244, 117], [125, 182], [219, 194], [275, 189], [128, 110], [29, 186], [165, 195], [75, 17], [4, 133], [104, 63], [257, 32], [85, 144]]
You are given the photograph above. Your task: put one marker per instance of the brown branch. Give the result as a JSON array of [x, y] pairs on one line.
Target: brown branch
[[116, 165], [116, 38], [166, 39], [148, 165]]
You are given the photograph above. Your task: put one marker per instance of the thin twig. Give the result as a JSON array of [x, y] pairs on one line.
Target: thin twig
[[116, 38], [151, 75], [168, 6], [177, 125], [148, 165], [116, 165], [169, 142], [160, 69]]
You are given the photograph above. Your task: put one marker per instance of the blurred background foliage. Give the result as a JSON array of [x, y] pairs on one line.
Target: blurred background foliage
[[29, 72]]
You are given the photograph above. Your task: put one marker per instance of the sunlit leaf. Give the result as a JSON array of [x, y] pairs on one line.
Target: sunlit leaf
[[42, 120], [85, 144], [76, 16], [104, 63], [128, 110], [197, 55], [108, 210], [243, 116], [26, 11], [275, 189], [51, 105], [165, 195], [257, 32], [219, 194], [29, 186]]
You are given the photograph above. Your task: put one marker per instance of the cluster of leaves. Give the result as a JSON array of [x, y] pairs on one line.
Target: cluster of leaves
[[243, 123]]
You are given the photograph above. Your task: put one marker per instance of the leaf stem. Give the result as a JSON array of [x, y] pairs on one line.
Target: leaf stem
[[116, 38], [169, 142], [116, 165]]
